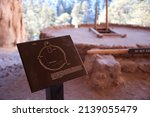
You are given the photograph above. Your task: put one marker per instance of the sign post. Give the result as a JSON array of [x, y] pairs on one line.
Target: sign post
[[55, 92], [50, 62]]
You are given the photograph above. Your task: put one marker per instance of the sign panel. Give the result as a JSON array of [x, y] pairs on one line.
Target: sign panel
[[139, 51], [50, 61]]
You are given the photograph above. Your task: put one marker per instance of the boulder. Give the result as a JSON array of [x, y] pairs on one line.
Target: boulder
[[104, 71]]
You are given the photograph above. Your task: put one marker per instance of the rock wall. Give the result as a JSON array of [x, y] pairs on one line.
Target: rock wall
[[140, 65], [12, 28], [106, 71]]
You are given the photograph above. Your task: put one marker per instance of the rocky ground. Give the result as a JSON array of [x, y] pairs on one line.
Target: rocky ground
[[135, 75]]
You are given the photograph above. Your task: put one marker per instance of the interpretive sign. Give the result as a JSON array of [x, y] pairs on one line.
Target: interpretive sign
[[50, 62], [139, 51]]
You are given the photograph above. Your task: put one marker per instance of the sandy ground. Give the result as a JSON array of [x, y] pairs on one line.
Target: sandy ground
[[14, 85], [136, 37]]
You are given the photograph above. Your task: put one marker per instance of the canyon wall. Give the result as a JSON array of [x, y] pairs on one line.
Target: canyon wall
[[12, 28]]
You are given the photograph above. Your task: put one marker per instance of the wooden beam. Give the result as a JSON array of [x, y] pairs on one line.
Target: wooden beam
[[96, 32], [108, 51]]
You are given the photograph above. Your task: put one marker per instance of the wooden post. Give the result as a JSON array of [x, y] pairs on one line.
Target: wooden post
[[106, 31], [107, 25], [96, 17]]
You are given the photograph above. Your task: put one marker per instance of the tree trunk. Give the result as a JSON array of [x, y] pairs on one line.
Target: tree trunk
[[12, 28]]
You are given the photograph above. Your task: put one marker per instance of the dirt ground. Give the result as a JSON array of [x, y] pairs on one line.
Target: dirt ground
[[14, 85]]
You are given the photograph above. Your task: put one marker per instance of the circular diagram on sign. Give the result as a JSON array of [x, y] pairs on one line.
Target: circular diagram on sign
[[52, 57]]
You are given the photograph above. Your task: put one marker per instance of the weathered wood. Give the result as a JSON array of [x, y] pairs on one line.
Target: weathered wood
[[12, 28], [107, 24], [120, 51], [104, 31], [96, 18], [96, 32], [107, 51]]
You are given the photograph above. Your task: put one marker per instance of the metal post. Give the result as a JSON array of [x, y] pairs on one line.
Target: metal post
[[55, 92]]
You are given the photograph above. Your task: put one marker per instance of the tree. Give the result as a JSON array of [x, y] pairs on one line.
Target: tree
[[77, 14], [135, 12], [63, 19], [60, 7], [11, 22], [84, 10], [37, 17]]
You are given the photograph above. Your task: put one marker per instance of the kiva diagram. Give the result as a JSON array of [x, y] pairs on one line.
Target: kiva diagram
[[52, 57]]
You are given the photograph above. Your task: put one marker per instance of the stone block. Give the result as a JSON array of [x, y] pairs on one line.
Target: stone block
[[104, 71]]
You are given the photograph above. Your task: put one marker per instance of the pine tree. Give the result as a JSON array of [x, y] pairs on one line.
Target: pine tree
[[134, 12], [84, 11], [77, 17]]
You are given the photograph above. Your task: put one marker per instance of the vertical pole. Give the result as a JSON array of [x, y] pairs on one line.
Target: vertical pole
[[55, 92], [96, 17], [107, 25]]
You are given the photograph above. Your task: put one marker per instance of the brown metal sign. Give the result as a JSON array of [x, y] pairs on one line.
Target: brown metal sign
[[50, 61]]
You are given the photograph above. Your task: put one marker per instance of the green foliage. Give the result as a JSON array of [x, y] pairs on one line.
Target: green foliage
[[135, 12], [77, 17], [38, 15], [63, 19]]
